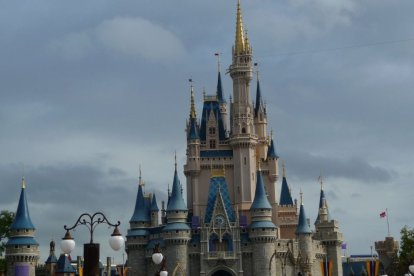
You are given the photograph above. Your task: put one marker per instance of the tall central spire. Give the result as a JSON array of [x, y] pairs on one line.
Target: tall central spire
[[241, 43]]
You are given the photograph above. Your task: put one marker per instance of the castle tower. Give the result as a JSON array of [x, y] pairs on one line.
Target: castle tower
[[262, 231], [22, 251], [304, 234], [154, 212], [242, 137], [287, 217], [260, 124], [137, 236], [327, 231], [176, 233], [220, 97], [51, 260]]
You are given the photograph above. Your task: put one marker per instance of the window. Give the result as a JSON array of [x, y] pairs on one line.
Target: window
[[212, 130], [243, 130], [212, 144]]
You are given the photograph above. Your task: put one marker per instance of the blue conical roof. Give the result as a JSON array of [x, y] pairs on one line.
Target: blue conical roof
[[176, 201], [64, 266], [260, 198], [154, 206], [193, 134], [259, 102], [22, 219], [219, 89], [285, 196], [271, 150], [303, 226], [321, 199], [141, 213]]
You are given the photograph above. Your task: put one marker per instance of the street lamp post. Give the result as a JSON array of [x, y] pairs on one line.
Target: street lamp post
[[91, 249], [159, 258]]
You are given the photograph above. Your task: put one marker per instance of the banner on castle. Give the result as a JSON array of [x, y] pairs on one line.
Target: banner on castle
[[122, 270], [373, 268], [326, 268], [80, 271]]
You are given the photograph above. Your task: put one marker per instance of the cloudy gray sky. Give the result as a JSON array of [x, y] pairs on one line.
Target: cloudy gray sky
[[91, 89]]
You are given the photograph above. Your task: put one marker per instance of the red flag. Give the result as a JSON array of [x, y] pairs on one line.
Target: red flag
[[383, 214]]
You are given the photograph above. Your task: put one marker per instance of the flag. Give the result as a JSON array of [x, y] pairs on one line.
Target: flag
[[255, 64], [372, 268], [216, 54], [343, 246], [383, 214], [326, 268]]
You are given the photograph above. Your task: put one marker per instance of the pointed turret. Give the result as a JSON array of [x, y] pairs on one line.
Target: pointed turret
[[21, 247], [141, 213], [271, 150], [323, 206], [176, 201], [285, 196], [259, 107], [154, 205], [193, 132], [22, 219], [64, 266], [260, 198], [220, 97], [303, 225]]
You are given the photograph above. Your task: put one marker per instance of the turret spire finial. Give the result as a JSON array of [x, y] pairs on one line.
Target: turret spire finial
[[320, 179], [175, 160], [192, 109], [301, 197], [218, 60], [283, 168], [23, 183]]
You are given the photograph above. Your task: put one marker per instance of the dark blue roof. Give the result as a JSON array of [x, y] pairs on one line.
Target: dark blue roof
[[216, 153], [259, 102], [303, 226], [154, 206], [21, 240], [216, 183], [262, 224], [51, 259], [212, 106], [137, 233], [64, 266], [260, 198], [176, 226], [285, 196], [194, 133], [176, 201], [22, 219], [141, 212], [219, 89], [271, 150], [321, 199]]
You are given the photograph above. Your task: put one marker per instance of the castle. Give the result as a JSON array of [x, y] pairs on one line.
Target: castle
[[232, 223]]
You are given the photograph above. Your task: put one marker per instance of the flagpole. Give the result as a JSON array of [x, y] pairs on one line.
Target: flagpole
[[388, 223]]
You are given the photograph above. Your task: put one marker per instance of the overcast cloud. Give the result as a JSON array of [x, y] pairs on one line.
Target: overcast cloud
[[91, 89]]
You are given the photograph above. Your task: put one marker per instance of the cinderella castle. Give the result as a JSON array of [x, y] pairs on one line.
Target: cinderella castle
[[232, 221]]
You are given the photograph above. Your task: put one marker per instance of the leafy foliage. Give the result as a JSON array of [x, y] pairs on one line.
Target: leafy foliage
[[406, 257], [6, 219]]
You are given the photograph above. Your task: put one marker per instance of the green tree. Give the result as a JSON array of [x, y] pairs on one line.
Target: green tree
[[6, 219], [406, 257]]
